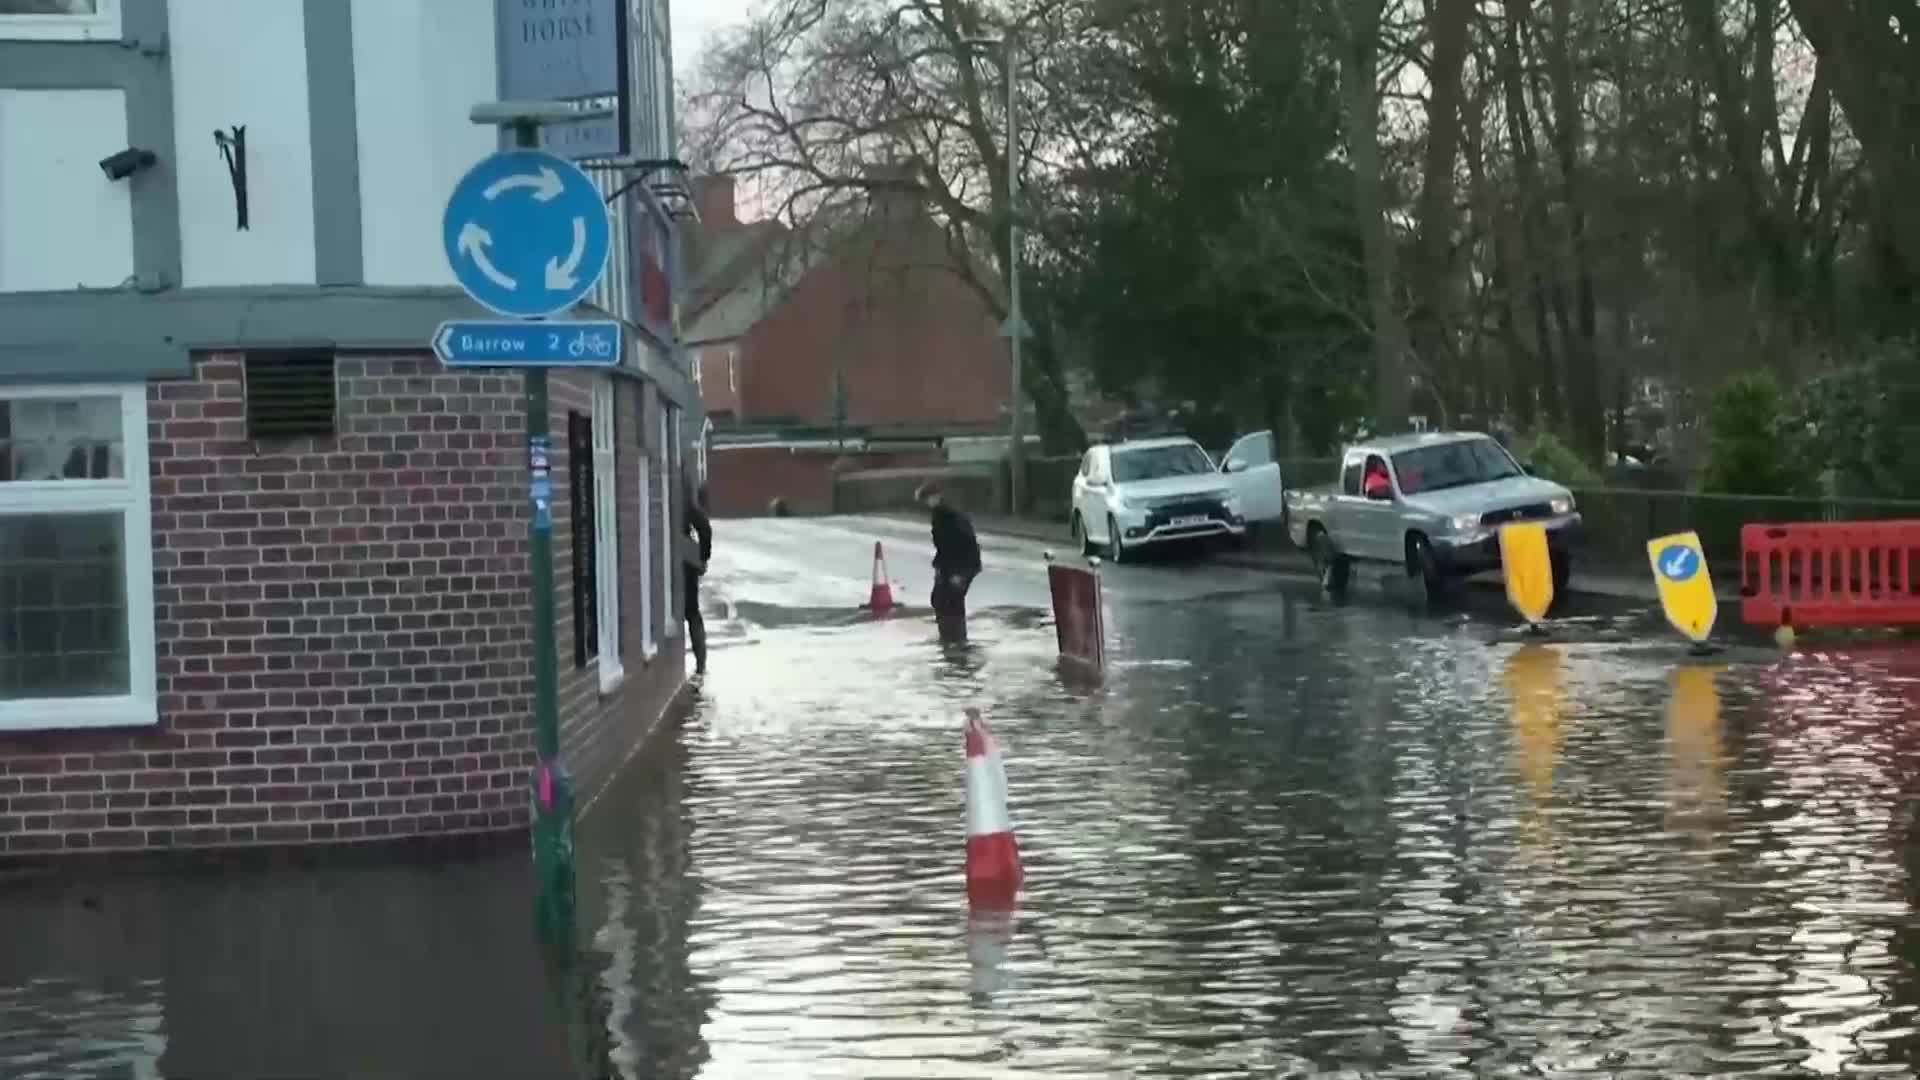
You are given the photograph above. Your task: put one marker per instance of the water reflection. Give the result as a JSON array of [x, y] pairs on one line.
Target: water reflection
[[1281, 836], [640, 896], [423, 968], [1694, 749], [1536, 685]]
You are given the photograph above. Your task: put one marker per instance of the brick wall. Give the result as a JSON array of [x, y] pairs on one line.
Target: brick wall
[[599, 731], [342, 628], [743, 480], [911, 341]]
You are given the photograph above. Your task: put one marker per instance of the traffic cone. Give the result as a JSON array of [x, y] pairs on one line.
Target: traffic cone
[[880, 599], [993, 858]]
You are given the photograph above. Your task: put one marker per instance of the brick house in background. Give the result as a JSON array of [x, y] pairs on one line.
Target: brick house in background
[[263, 560], [865, 325]]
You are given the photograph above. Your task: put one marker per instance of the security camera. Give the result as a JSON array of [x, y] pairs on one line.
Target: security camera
[[125, 163]]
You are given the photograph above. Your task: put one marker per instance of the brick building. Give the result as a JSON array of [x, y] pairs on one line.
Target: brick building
[[263, 560], [862, 324]]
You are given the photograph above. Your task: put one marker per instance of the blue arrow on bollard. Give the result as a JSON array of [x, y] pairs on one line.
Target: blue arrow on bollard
[[526, 233]]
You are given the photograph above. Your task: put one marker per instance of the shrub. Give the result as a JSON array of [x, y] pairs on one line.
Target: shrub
[[1754, 445], [1551, 459]]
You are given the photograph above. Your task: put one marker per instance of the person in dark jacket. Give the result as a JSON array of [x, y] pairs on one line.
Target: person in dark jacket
[[696, 547], [956, 562]]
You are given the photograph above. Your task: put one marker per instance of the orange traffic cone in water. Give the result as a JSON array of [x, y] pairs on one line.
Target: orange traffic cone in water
[[993, 858], [880, 599]]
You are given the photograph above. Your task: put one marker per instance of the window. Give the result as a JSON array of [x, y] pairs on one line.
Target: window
[[76, 558], [1160, 463], [60, 20], [581, 520], [290, 393], [1453, 465], [733, 370], [1350, 476], [1253, 451], [644, 472], [675, 530], [606, 535], [698, 365]]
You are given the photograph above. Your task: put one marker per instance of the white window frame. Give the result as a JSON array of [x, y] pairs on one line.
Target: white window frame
[[649, 648], [606, 536], [132, 496], [102, 25], [675, 535]]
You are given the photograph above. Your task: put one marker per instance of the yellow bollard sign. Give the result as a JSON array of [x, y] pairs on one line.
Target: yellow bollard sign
[[1686, 589], [1528, 568]]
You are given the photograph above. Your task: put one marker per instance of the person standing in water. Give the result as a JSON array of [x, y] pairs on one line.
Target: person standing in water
[[956, 562], [696, 548]]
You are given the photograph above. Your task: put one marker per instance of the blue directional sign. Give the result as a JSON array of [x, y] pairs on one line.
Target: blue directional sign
[[502, 343], [526, 233], [1678, 562]]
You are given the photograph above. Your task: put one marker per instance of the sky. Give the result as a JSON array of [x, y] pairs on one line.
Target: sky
[[694, 24]]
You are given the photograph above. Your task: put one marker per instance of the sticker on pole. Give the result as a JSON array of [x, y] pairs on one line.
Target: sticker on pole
[[1528, 568], [1686, 589]]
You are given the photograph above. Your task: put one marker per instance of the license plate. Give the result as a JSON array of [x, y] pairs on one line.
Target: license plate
[[1190, 519]]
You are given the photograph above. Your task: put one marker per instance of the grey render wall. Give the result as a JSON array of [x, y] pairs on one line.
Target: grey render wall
[[151, 326]]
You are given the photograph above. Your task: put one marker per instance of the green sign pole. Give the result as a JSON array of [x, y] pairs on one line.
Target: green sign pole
[[552, 794]]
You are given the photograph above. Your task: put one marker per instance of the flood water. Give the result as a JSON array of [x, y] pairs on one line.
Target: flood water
[[1283, 839]]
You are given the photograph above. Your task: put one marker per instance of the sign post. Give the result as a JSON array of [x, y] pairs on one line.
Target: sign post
[[1527, 564], [528, 236], [1686, 589]]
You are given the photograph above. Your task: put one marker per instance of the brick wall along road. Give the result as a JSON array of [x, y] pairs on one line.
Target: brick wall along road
[[342, 625]]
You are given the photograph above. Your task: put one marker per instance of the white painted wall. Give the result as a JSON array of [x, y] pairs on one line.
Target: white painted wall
[[419, 66], [63, 224], [242, 64]]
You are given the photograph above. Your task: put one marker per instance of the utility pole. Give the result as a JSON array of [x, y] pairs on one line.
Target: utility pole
[[1016, 325]]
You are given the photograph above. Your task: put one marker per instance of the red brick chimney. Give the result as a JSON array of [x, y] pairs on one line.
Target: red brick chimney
[[714, 197]]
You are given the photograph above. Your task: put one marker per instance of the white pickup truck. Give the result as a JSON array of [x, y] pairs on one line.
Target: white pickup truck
[[1432, 503]]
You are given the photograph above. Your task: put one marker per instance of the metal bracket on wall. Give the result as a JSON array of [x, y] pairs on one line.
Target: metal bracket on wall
[[674, 192], [153, 48], [233, 148]]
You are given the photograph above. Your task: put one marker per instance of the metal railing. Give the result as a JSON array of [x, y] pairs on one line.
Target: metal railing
[[1619, 521]]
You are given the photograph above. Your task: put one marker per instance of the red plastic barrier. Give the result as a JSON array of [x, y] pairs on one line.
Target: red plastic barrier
[[1835, 573], [1078, 619]]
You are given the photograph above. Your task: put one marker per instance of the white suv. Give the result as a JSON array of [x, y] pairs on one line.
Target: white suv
[[1151, 491]]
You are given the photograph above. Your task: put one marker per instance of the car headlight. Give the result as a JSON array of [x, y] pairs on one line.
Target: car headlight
[[1117, 500], [1563, 506], [1465, 522]]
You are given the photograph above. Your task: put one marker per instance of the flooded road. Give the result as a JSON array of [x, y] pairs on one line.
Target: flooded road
[[1284, 838]]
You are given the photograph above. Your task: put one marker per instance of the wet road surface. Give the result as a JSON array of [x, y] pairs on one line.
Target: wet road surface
[[1284, 838]]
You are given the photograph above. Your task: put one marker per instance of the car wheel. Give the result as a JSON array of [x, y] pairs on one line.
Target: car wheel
[[1115, 550], [1333, 568], [1424, 568], [1562, 563], [1080, 534]]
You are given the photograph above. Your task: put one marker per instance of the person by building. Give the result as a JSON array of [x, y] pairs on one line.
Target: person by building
[[696, 546], [956, 562]]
